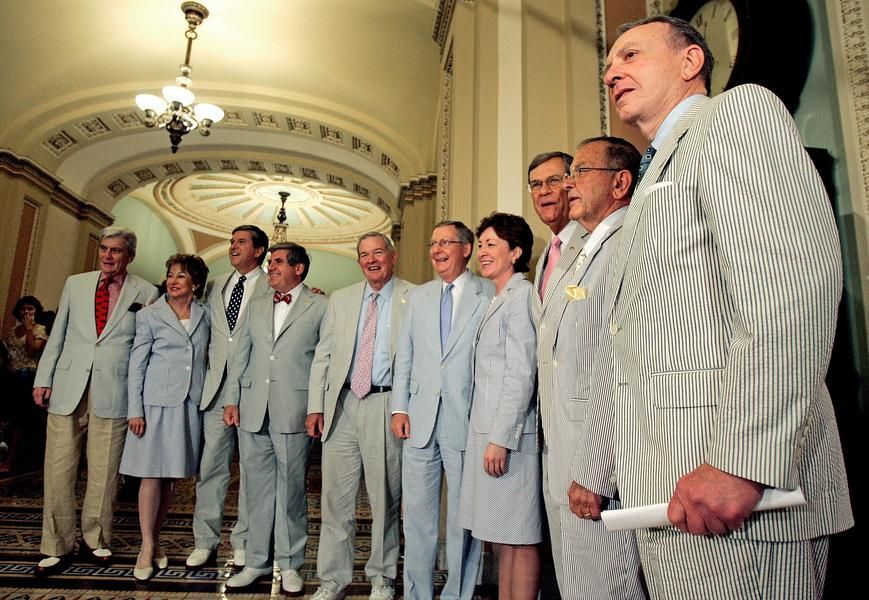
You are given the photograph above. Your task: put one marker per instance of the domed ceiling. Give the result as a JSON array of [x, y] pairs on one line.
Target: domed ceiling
[[335, 102]]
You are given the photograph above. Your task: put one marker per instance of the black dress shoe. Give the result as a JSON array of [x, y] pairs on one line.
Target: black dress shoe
[[47, 567], [96, 556]]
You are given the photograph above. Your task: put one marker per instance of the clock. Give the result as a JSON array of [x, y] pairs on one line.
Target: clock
[[768, 42]]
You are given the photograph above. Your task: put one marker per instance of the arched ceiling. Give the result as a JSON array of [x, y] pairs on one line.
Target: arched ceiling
[[323, 95]]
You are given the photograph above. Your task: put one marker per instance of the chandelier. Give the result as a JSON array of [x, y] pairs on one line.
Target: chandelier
[[280, 234], [173, 111]]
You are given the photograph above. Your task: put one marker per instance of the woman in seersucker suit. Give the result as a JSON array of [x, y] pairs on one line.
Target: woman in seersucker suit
[[501, 487], [167, 370]]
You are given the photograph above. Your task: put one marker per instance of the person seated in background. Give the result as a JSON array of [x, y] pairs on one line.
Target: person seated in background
[[24, 344], [167, 370]]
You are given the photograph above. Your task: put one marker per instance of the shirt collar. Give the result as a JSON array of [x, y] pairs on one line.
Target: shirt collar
[[385, 292], [672, 118]]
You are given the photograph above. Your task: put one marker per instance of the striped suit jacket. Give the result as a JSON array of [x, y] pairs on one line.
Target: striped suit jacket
[[726, 287]]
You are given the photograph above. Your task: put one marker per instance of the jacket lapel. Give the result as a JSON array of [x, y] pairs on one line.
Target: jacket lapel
[[652, 176], [300, 305], [563, 267], [464, 311], [129, 291], [215, 300]]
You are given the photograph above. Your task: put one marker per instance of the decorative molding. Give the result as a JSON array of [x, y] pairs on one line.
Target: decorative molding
[[419, 189], [91, 128], [445, 133], [59, 143], [602, 92], [855, 42], [267, 120], [18, 167]]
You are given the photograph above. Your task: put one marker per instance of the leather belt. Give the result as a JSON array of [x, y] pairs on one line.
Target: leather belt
[[375, 389]]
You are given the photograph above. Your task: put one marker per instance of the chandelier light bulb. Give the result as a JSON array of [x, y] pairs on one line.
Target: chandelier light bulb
[[211, 112], [181, 95], [148, 102]]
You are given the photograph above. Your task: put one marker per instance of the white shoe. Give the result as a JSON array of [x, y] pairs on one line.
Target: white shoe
[[238, 558], [291, 581], [248, 576], [382, 592], [198, 557], [323, 593]]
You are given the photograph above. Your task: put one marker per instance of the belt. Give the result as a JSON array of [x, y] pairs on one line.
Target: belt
[[375, 389]]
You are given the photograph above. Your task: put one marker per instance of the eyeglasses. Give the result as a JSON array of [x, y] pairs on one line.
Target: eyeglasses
[[577, 172], [535, 185], [443, 243]]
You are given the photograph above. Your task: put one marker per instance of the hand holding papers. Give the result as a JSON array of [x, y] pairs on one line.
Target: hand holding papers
[[655, 515]]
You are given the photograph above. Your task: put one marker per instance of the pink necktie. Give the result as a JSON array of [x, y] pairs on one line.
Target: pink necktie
[[551, 261], [360, 381]]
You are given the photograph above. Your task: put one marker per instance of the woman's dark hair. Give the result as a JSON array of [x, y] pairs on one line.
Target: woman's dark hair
[[514, 230], [26, 301], [193, 266]]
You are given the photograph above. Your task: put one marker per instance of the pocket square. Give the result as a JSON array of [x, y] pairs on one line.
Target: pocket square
[[657, 186], [574, 292]]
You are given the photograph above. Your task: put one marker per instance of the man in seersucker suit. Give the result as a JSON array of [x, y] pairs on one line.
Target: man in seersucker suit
[[349, 409], [228, 297], [593, 563], [431, 401], [726, 287], [82, 381], [267, 399]]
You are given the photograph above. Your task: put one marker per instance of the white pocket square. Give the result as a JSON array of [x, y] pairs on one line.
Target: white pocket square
[[657, 186]]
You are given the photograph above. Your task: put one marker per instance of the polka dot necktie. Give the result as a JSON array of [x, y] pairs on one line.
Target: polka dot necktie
[[645, 161], [360, 381], [101, 305], [234, 305]]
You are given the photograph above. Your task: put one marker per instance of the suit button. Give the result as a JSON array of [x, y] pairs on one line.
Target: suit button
[[229, 340], [187, 368], [271, 357], [268, 380], [614, 329], [543, 326]]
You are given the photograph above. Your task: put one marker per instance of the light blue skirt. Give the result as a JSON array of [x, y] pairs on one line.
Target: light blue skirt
[[171, 445]]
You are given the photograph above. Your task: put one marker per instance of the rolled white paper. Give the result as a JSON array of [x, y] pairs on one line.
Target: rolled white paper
[[655, 515]]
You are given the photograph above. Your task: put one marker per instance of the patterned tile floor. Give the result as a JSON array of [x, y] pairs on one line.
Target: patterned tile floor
[[20, 530]]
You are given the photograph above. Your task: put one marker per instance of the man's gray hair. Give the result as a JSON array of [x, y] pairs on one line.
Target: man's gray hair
[[128, 235], [375, 234], [682, 35], [465, 235]]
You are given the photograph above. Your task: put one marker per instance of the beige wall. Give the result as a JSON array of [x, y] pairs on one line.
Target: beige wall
[[44, 232], [554, 89]]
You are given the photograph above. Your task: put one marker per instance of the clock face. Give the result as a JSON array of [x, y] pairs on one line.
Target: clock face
[[717, 21]]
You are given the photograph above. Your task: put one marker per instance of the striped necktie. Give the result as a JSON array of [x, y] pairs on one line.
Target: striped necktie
[[645, 161]]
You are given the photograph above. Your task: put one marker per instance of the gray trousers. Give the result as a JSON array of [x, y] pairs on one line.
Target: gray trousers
[[680, 565], [275, 464], [213, 482], [360, 441]]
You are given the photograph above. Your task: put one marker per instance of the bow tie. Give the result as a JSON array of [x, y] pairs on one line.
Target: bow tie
[[279, 297]]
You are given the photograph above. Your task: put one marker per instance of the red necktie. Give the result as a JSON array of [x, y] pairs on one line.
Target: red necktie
[[101, 305], [279, 297]]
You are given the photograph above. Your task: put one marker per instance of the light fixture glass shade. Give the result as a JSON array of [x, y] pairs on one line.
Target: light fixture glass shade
[[208, 111], [176, 93], [150, 102]]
